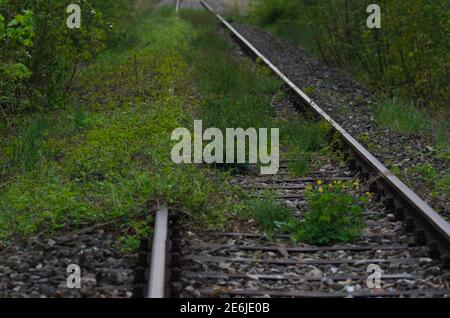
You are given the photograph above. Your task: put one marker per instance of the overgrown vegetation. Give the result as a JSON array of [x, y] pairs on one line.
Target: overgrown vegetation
[[41, 58], [334, 214], [305, 141], [106, 158], [406, 61], [235, 94], [271, 215], [407, 57], [437, 181], [395, 115]]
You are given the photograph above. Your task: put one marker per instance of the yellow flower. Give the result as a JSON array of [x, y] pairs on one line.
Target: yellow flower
[[339, 182], [319, 182], [321, 190], [368, 194], [356, 183], [309, 187]]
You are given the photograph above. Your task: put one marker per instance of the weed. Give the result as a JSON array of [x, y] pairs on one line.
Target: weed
[[309, 90], [271, 215], [303, 140], [229, 87], [334, 215], [399, 117], [271, 12], [438, 182], [299, 164], [27, 147], [115, 162]]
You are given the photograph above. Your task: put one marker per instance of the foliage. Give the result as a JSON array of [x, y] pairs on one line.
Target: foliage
[[437, 181], [271, 215], [275, 11], [106, 159], [399, 117], [408, 56], [304, 141], [229, 87], [334, 215], [34, 37]]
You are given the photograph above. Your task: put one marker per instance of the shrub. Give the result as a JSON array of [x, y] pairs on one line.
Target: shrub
[[269, 12], [34, 35], [334, 215]]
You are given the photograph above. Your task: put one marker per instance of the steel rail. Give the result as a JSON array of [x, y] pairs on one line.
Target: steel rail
[[422, 212], [157, 278]]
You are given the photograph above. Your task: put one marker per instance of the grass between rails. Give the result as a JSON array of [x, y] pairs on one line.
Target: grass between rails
[[238, 93], [334, 214], [417, 108], [106, 159]]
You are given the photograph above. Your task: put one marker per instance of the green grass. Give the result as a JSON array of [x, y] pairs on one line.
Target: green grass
[[236, 93], [271, 215], [105, 157], [304, 142], [299, 164], [438, 182], [334, 215], [397, 116], [288, 19], [28, 146]]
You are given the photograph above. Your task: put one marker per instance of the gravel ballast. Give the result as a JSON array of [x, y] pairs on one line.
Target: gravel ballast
[[38, 268]]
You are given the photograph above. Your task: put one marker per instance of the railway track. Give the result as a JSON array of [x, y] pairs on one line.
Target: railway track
[[404, 237]]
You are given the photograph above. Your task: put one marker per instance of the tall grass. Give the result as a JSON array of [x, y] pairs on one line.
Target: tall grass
[[236, 94], [303, 140], [27, 147], [271, 215], [394, 114]]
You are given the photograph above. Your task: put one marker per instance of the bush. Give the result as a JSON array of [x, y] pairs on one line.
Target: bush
[[334, 215], [407, 56], [269, 12], [34, 37]]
